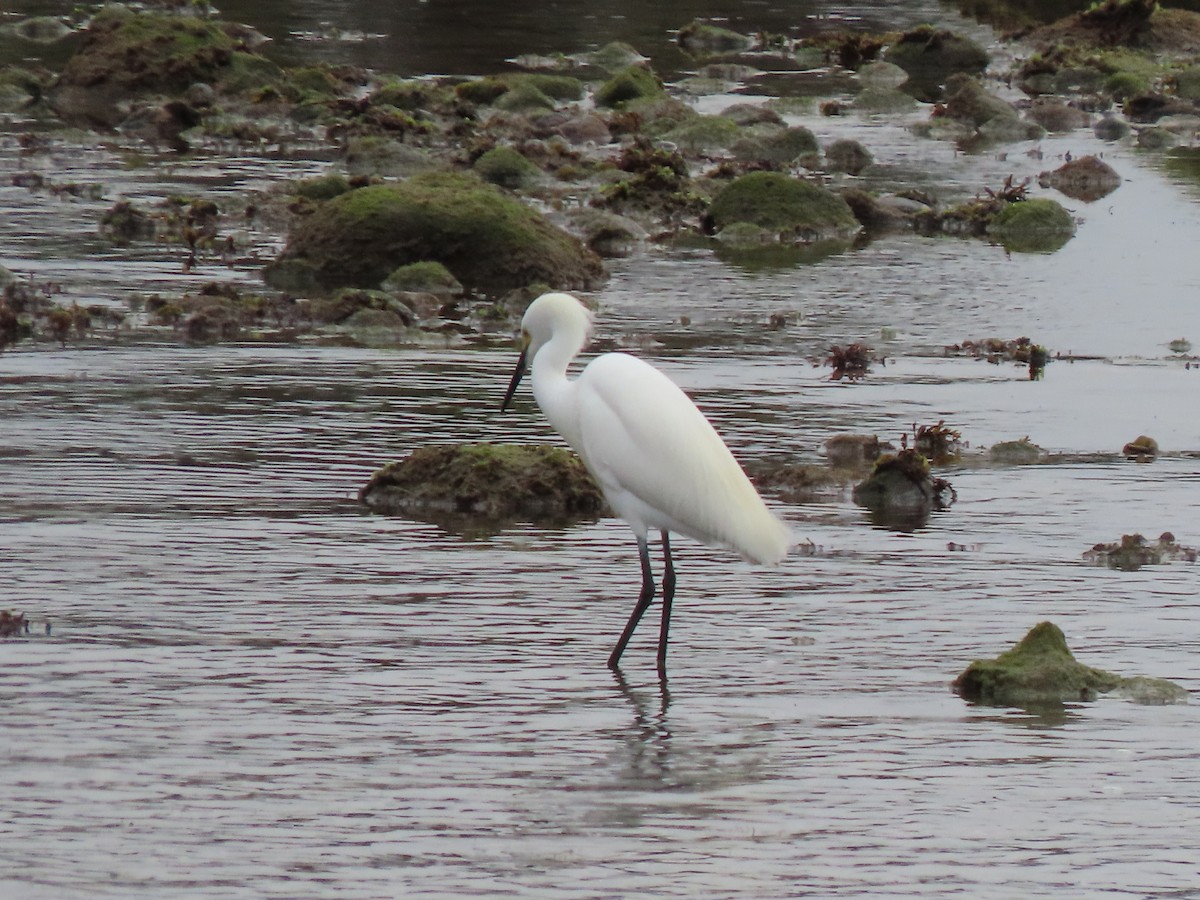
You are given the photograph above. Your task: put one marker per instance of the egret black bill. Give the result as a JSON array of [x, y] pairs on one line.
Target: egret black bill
[[518, 374]]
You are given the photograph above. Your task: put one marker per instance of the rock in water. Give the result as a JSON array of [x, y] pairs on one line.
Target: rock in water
[[1041, 669]]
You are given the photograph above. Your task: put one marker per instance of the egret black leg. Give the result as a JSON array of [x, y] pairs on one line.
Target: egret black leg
[[644, 599], [668, 596]]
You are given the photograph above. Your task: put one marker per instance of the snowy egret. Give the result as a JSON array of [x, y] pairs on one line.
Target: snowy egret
[[658, 461]]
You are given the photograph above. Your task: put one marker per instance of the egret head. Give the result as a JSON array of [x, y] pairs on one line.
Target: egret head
[[549, 316]]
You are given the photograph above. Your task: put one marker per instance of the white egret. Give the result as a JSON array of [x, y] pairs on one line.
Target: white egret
[[657, 460]]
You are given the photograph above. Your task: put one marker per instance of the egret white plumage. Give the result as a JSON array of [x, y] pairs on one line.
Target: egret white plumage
[[656, 458]]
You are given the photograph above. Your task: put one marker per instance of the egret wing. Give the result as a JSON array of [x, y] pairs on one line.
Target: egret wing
[[644, 438]]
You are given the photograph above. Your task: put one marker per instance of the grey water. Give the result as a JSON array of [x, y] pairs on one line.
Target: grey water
[[251, 687]]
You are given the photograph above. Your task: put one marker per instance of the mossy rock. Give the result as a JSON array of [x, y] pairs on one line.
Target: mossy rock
[[483, 91], [1057, 117], [321, 187], [1041, 670], [1032, 226], [704, 133], [532, 90], [124, 53], [967, 101], [341, 306], [847, 156], [39, 29], [704, 39], [486, 481], [659, 115], [524, 98], [563, 88], [426, 277], [613, 57], [1015, 453], [1123, 85], [1187, 84], [783, 147], [875, 100], [882, 76], [610, 235], [748, 114], [798, 483], [630, 84], [490, 242], [785, 205], [1110, 128], [506, 167], [313, 82], [373, 154], [18, 88], [1156, 138], [930, 56], [852, 451]]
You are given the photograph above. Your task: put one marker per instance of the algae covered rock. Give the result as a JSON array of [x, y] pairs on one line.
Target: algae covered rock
[[782, 147], [1032, 226], [901, 483], [124, 53], [506, 167], [485, 481], [847, 156], [423, 277], [851, 451], [613, 57], [629, 84], [1041, 669], [1015, 453], [1087, 178], [490, 242], [704, 39], [704, 133], [930, 56], [968, 101], [787, 206], [1058, 117]]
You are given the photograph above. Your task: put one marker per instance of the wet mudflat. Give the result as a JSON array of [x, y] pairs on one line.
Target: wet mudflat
[[252, 687]]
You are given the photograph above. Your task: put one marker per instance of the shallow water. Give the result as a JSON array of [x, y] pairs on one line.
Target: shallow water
[[253, 688]]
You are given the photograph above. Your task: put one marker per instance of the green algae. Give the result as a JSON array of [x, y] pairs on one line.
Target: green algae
[[783, 204], [1041, 669], [428, 276], [506, 167], [486, 481], [491, 243], [1032, 226], [630, 84]]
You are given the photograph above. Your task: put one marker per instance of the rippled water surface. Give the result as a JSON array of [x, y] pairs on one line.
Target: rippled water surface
[[254, 688], [239, 683]]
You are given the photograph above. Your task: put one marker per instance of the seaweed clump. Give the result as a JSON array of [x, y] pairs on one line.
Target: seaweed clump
[[997, 350], [852, 361], [937, 443], [1133, 551], [12, 623]]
